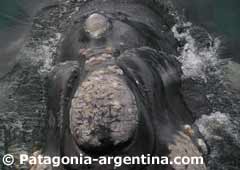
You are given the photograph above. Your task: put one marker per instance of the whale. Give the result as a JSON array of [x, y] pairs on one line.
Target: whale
[[115, 89]]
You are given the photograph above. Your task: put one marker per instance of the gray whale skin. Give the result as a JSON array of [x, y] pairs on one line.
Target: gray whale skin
[[115, 88]]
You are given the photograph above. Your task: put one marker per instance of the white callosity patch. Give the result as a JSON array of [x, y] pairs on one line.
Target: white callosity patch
[[103, 108], [183, 146], [96, 25], [190, 132], [195, 60], [97, 60], [38, 164]]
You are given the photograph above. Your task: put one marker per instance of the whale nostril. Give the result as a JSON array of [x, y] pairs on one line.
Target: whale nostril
[[103, 113], [96, 25]]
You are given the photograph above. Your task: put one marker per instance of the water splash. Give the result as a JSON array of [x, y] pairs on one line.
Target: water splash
[[46, 51], [41, 54], [199, 55], [209, 126], [195, 59], [222, 137]]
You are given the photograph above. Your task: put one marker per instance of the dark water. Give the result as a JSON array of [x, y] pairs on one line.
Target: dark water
[[219, 17], [15, 12], [15, 22]]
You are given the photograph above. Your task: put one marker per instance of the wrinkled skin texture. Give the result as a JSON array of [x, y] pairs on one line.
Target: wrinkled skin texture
[[136, 41]]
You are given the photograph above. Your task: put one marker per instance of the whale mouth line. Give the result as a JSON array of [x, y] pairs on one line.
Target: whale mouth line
[[107, 149]]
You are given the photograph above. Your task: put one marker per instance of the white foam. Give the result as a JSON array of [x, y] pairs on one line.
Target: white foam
[[195, 60], [45, 54], [41, 54], [216, 125], [46, 51]]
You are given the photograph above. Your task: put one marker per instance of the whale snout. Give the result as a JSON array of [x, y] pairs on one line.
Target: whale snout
[[103, 113]]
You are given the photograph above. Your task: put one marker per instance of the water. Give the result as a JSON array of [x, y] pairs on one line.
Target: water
[[219, 17], [22, 102], [194, 58], [15, 24], [201, 60]]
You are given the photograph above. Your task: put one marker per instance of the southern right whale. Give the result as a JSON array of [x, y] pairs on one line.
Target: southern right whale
[[115, 88]]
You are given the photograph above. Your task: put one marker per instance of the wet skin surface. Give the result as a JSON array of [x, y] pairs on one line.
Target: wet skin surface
[[109, 51]]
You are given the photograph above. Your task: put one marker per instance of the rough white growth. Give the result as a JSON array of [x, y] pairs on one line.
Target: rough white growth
[[96, 25], [103, 108]]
